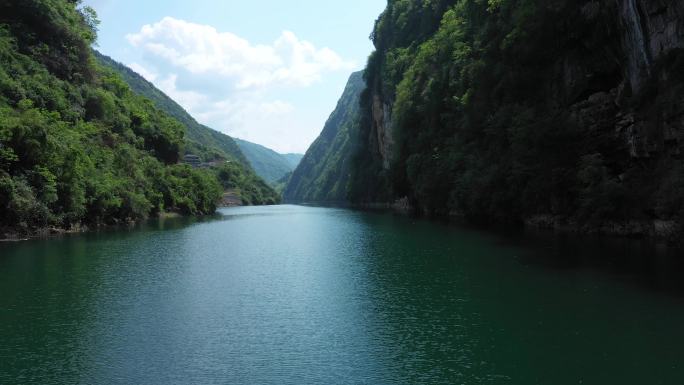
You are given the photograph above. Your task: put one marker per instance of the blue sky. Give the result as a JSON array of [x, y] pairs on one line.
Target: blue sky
[[268, 71]]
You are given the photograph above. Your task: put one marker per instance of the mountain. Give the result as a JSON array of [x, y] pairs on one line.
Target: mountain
[[322, 175], [210, 145], [201, 138], [293, 160], [77, 147], [561, 114], [268, 164]]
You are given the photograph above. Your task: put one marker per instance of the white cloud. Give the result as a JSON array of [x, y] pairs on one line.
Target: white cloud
[[201, 49], [150, 76], [257, 92], [190, 100], [271, 123]]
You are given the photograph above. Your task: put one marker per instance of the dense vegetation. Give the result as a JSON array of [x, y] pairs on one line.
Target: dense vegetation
[[268, 164], [323, 174], [235, 172], [245, 184], [506, 110], [77, 146]]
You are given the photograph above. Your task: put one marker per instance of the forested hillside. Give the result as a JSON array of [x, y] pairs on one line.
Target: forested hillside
[[323, 173], [201, 139], [268, 164], [556, 113], [235, 171], [77, 146]]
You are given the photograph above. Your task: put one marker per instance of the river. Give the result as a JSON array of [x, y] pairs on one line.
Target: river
[[306, 295]]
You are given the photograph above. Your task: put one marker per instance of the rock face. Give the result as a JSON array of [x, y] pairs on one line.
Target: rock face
[[660, 32], [648, 31], [453, 119], [636, 44], [637, 35], [231, 199], [620, 81], [323, 173], [382, 129]]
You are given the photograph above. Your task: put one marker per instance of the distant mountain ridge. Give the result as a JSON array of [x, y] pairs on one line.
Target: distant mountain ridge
[[268, 164], [293, 159]]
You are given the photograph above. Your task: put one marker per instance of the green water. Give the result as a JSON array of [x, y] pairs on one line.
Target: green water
[[299, 295]]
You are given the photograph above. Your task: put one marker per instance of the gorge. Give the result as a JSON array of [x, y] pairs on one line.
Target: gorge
[[496, 198]]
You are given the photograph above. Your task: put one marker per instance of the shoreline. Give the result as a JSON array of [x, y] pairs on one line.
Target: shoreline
[[9, 235], [654, 229], [657, 230]]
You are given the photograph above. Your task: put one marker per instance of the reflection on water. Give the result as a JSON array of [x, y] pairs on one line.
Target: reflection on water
[[296, 295]]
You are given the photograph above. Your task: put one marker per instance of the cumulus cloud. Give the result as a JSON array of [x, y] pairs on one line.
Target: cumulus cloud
[[243, 89], [190, 100], [150, 76], [248, 115], [201, 49]]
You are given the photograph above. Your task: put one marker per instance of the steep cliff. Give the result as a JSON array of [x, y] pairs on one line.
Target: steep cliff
[[556, 113], [323, 173]]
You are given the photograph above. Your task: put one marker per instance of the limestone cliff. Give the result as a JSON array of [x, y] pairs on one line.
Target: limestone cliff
[[558, 113], [323, 173], [634, 36], [611, 70]]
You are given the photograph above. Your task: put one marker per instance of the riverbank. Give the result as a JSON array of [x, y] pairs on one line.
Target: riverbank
[[231, 198], [8, 234], [18, 235], [657, 229]]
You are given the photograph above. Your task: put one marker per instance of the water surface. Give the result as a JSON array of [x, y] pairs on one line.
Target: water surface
[[297, 295]]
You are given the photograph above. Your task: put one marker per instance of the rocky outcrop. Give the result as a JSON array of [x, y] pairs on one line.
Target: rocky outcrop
[[467, 129], [619, 80], [650, 29], [625, 91], [635, 42], [231, 199], [625, 43], [323, 173], [382, 128], [649, 32]]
